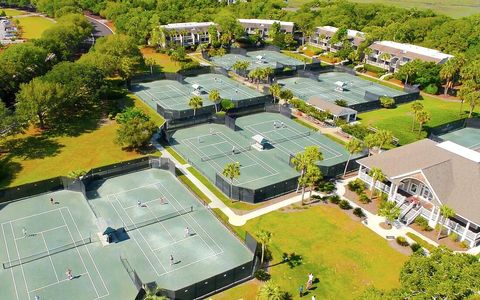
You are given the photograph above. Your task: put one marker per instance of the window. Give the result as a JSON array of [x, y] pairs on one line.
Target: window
[[425, 193], [413, 188]]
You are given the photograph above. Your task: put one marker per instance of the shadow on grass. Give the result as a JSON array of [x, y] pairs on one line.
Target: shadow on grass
[[8, 170], [33, 147]]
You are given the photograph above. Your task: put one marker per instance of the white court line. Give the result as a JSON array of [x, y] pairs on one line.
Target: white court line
[[8, 256], [143, 203], [40, 232], [189, 264], [176, 242], [141, 249], [34, 215], [144, 239], [214, 144], [55, 283], [91, 258], [173, 197], [81, 258], [161, 223], [219, 168], [21, 265], [50, 257]]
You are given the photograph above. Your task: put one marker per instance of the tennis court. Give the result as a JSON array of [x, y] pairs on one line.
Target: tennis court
[[173, 95], [325, 86], [157, 228], [468, 137], [257, 59], [210, 146], [40, 241]]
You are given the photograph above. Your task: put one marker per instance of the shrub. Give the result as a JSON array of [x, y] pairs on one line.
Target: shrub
[[357, 186], [341, 102], [387, 102], [374, 69], [357, 130], [326, 187], [415, 247], [190, 65], [335, 199], [262, 275], [364, 198], [344, 204], [383, 197], [421, 222], [402, 241], [453, 236], [464, 245], [420, 241], [358, 212], [431, 89]]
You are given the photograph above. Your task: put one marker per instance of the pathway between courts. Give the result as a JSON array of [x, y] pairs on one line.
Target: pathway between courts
[[233, 218]]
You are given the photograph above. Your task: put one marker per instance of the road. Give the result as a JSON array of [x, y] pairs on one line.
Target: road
[[99, 29]]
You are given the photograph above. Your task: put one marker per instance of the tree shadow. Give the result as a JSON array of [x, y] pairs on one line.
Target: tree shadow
[[8, 170], [74, 124], [33, 147], [292, 260]]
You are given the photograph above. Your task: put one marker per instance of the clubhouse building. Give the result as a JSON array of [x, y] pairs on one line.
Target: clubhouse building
[[422, 176], [391, 56], [324, 34]]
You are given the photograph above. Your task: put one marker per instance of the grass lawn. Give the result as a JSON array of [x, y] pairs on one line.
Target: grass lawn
[[12, 12], [344, 255], [298, 56], [455, 9], [163, 60], [35, 156], [399, 119], [33, 27]]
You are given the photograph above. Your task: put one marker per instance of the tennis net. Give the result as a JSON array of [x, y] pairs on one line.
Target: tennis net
[[233, 151], [27, 259], [172, 215], [288, 138]]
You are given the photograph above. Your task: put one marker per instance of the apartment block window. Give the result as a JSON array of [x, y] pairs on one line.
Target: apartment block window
[[413, 188]]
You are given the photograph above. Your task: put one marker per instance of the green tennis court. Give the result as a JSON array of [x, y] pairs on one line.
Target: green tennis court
[[174, 95], [210, 146], [468, 137], [326, 87], [40, 241], [257, 59]]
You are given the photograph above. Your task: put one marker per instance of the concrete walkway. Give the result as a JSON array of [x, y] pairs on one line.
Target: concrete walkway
[[233, 218]]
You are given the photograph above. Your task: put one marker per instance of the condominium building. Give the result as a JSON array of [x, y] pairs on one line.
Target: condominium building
[[391, 56], [324, 34], [185, 34], [262, 26]]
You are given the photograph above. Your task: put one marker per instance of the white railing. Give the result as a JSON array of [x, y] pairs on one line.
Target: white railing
[[414, 216]]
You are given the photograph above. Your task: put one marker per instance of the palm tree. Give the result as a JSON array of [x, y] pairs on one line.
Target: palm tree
[[353, 146], [266, 73], [408, 69], [422, 118], [303, 159], [370, 141], [470, 93], [265, 238], [366, 53], [416, 107], [275, 91], [447, 213], [214, 96], [383, 137], [390, 211], [241, 66], [447, 73], [270, 291], [231, 171], [313, 175], [195, 103], [150, 62], [385, 57], [377, 175], [286, 95]]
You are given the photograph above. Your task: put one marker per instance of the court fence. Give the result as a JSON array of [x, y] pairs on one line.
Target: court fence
[[436, 132], [80, 184], [222, 281]]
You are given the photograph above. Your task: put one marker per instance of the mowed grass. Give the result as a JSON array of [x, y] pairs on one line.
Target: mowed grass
[[34, 26], [162, 60], [344, 255], [38, 156], [399, 120], [12, 12], [455, 9]]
